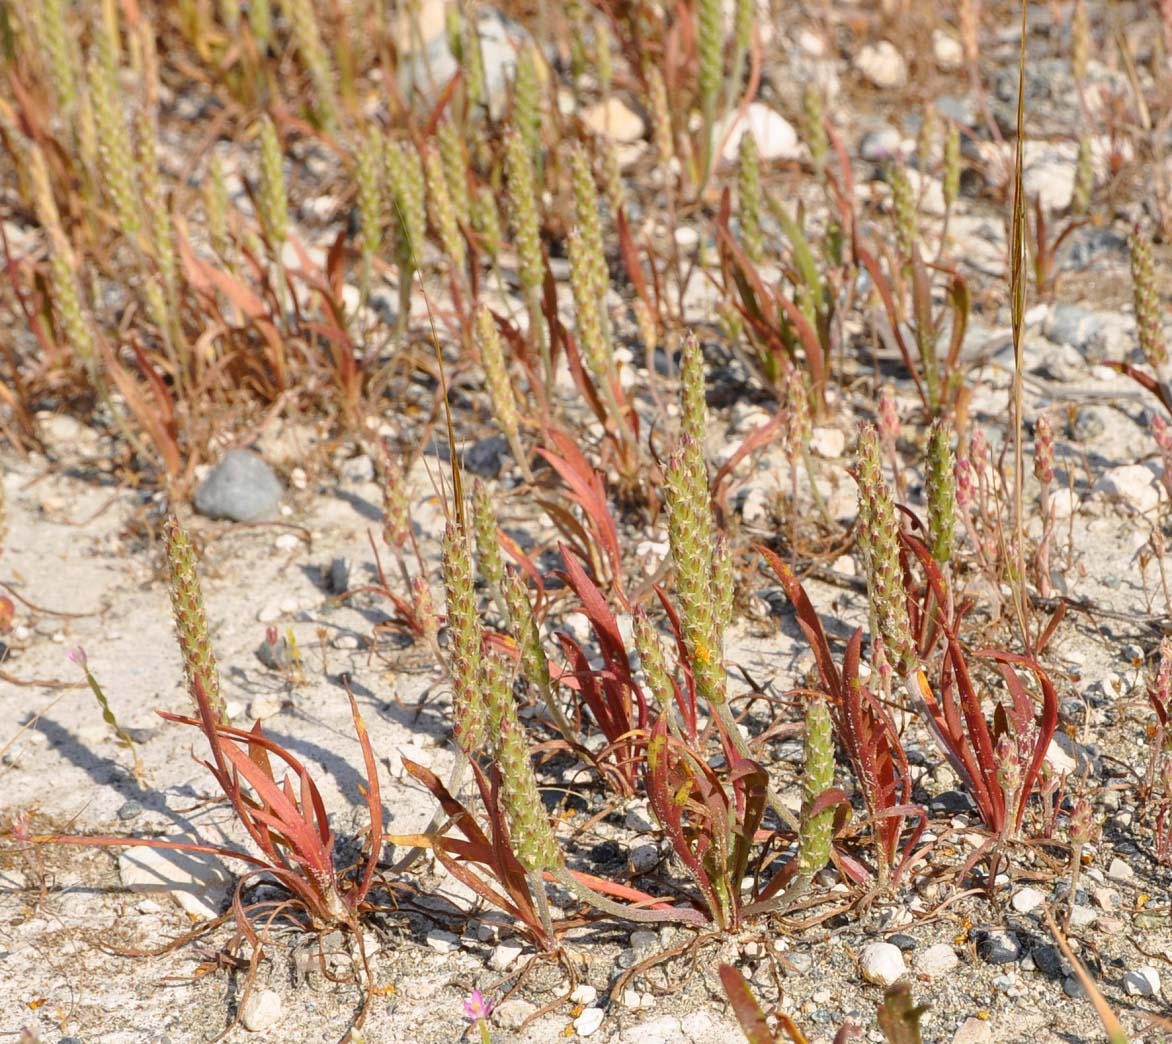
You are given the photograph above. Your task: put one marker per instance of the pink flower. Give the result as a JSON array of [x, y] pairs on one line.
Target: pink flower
[[78, 656], [477, 1006]]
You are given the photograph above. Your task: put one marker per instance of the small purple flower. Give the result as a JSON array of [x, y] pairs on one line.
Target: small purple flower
[[79, 657], [477, 1006]]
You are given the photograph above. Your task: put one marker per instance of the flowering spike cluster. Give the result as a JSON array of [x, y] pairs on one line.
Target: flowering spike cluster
[[396, 508], [926, 139], [661, 117], [1010, 770], [424, 607], [496, 374], [612, 179], [749, 196], [591, 339], [879, 543], [532, 836], [486, 220], [115, 158], [814, 836], [154, 199], [1080, 48], [710, 45], [814, 126], [690, 533], [464, 629], [407, 196], [724, 583], [527, 104], [488, 548], [951, 185], [534, 662], [307, 37], [656, 675], [941, 486], [451, 146], [65, 296], [443, 213], [272, 200], [368, 175], [1044, 450], [215, 205], [586, 218], [1084, 180], [523, 210], [52, 38], [604, 60], [903, 202], [472, 62], [798, 422], [191, 623], [1147, 301], [260, 21], [1082, 820]]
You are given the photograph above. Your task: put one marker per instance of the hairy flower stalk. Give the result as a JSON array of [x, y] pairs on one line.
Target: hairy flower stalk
[[814, 837], [368, 176], [455, 163], [396, 505], [527, 634], [486, 221], [1147, 302], [612, 180], [951, 186], [260, 22], [710, 46], [472, 63], [903, 202], [940, 480], [215, 206], [527, 107], [523, 218], [191, 624], [315, 57], [407, 201], [1084, 180], [656, 675], [63, 281], [53, 40], [814, 126], [879, 543], [272, 198], [500, 388], [661, 118], [749, 196], [1080, 48], [488, 548], [443, 214], [471, 715], [115, 158], [1044, 473], [155, 202]]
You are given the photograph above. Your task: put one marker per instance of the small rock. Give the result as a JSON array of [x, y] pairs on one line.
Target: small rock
[[1133, 484], [198, 882], [358, 469], [1082, 916], [999, 947], [584, 994], [485, 457], [242, 487], [346, 641], [588, 1022], [1050, 179], [882, 64], [882, 964], [443, 942], [261, 1010], [338, 576], [614, 119], [644, 857], [880, 145], [1073, 988], [504, 954], [947, 50], [266, 705], [936, 961], [1028, 899], [631, 998], [644, 942], [775, 136], [1143, 982], [828, 442], [130, 810], [638, 820], [511, 1014], [973, 1031], [1069, 324], [1048, 960], [1120, 871], [287, 542]]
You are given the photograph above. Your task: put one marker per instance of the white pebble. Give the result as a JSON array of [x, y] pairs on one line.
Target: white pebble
[[1143, 982], [442, 942], [882, 964], [261, 1010], [588, 1022], [1027, 899], [287, 541], [504, 954], [584, 994]]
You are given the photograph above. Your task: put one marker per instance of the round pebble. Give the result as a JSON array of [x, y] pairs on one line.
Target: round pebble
[[882, 964], [588, 1022], [937, 961], [261, 1010]]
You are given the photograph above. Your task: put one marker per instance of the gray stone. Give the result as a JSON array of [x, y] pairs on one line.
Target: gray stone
[[1142, 982], [131, 810], [485, 457], [242, 487], [1088, 423], [261, 1010], [510, 1015], [880, 145], [936, 961], [504, 955], [999, 947], [973, 1031], [443, 942], [1069, 324]]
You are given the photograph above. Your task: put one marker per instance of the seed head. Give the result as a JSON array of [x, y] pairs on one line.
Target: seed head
[[523, 210], [749, 196], [272, 199], [1147, 301], [941, 488], [814, 836]]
